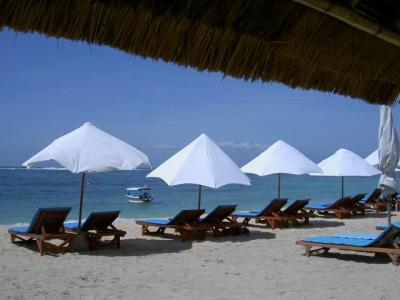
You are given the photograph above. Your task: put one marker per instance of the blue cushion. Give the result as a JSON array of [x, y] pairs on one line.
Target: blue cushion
[[246, 214], [73, 225], [339, 241], [156, 221], [19, 229], [319, 206], [357, 235]]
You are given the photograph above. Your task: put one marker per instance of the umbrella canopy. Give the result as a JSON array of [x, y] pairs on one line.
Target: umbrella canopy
[[389, 153], [203, 163], [281, 158], [373, 160], [90, 149], [346, 163]]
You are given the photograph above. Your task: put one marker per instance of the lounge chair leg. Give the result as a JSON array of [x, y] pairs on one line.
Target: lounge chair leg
[[394, 258], [144, 229], [271, 223], [184, 235], [307, 251], [40, 245], [72, 245], [12, 238]]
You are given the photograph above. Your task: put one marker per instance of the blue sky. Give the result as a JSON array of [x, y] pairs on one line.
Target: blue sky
[[49, 87]]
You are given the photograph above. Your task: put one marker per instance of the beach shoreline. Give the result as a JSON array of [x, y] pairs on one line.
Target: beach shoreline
[[263, 264]]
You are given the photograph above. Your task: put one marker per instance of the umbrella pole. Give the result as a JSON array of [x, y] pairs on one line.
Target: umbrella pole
[[279, 185], [342, 186], [81, 199], [389, 207], [199, 198]]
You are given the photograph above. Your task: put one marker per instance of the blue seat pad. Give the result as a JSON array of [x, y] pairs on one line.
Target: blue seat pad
[[340, 241], [73, 225], [357, 235], [319, 206], [246, 214], [19, 229], [156, 221]]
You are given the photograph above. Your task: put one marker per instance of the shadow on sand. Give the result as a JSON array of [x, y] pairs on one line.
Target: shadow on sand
[[170, 243], [313, 224], [359, 258]]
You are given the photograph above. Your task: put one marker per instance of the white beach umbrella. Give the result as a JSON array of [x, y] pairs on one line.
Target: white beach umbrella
[[389, 153], [346, 163], [373, 160], [202, 163], [281, 158], [90, 149]]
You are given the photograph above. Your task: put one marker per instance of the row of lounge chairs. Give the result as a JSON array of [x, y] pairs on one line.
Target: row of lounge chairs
[[49, 224], [349, 206], [224, 219]]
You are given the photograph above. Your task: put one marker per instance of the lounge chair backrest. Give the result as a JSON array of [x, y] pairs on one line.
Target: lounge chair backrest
[[354, 200], [219, 213], [50, 219], [274, 206], [99, 220], [296, 206], [387, 236], [374, 197], [187, 216]]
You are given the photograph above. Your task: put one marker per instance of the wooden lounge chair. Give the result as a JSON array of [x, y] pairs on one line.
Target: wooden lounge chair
[[46, 225], [374, 201], [338, 208], [269, 215], [97, 226], [387, 242], [186, 223], [219, 221], [295, 212], [354, 205]]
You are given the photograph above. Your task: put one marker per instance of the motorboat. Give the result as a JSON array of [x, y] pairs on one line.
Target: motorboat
[[138, 194]]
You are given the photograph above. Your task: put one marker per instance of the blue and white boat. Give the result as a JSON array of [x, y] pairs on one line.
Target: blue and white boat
[[138, 194]]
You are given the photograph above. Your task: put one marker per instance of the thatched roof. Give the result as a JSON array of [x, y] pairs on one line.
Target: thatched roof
[[281, 40]]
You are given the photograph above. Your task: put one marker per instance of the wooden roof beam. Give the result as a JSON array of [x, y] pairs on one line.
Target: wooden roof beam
[[350, 17]]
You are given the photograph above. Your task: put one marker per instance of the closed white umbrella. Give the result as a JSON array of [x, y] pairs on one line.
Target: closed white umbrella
[[346, 163], [373, 160], [281, 158], [203, 163], [389, 153], [90, 149]]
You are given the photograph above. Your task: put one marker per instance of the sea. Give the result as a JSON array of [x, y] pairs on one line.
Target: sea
[[23, 191]]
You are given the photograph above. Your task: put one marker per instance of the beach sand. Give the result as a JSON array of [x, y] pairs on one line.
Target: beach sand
[[266, 264]]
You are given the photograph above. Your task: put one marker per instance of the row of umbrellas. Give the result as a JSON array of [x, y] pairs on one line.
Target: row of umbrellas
[[202, 162]]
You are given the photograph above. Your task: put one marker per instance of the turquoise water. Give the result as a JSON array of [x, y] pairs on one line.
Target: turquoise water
[[23, 191]]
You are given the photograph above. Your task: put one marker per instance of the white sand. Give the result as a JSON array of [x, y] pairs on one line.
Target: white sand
[[265, 264]]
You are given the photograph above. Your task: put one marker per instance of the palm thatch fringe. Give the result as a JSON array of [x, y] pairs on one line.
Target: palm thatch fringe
[[263, 40]]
